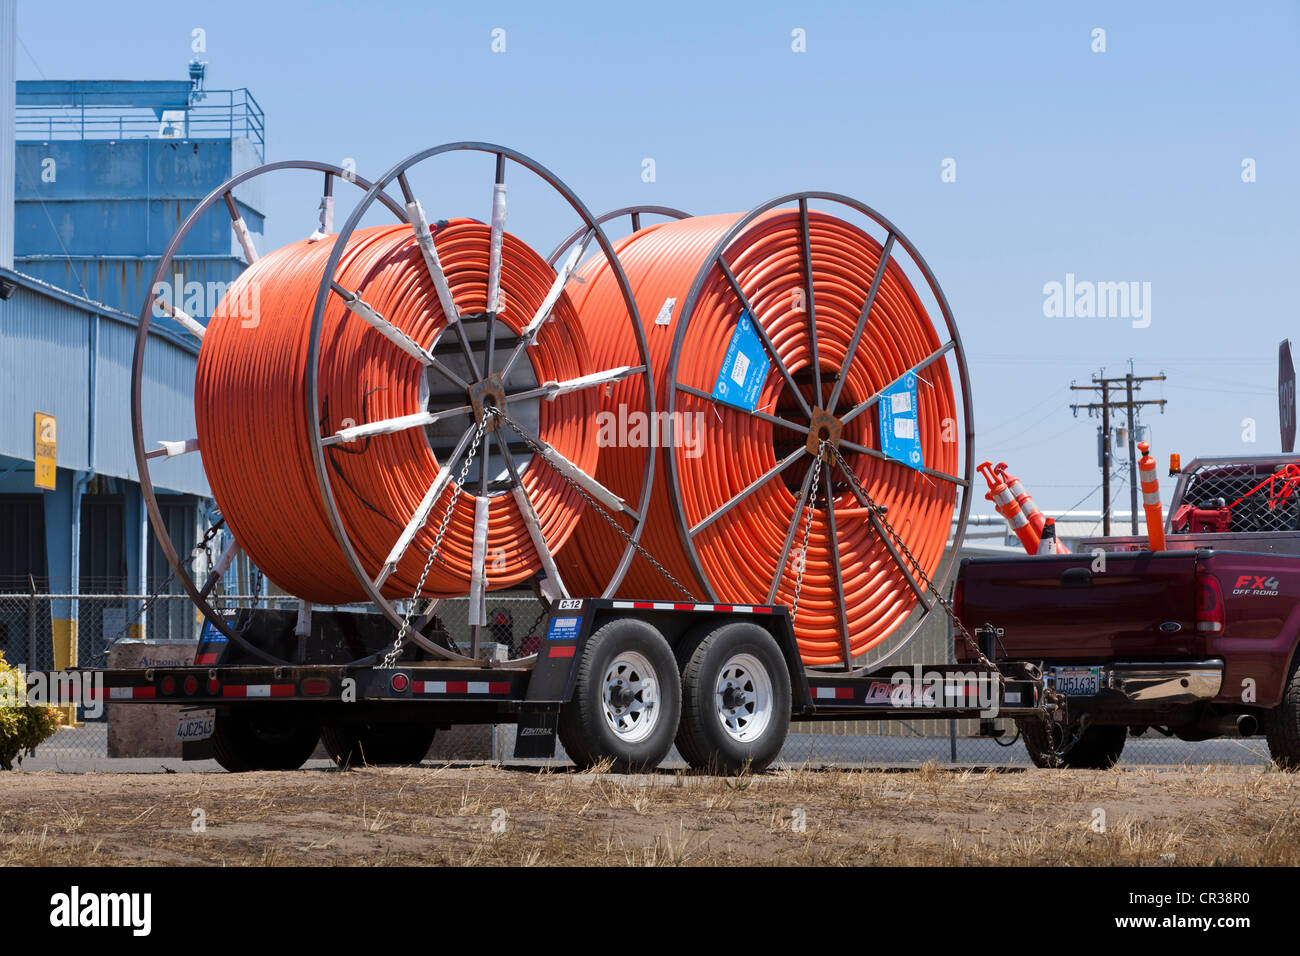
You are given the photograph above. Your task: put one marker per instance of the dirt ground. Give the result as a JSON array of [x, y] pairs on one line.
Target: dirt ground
[[490, 816]]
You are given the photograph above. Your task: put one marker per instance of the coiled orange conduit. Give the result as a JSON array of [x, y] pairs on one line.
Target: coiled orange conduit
[[739, 551], [250, 406]]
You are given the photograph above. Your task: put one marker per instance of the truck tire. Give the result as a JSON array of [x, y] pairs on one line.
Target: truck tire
[[377, 745], [262, 737], [627, 699], [1098, 749], [735, 699], [1282, 724]]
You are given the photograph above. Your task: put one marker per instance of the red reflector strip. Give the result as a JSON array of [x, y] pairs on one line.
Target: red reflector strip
[[203, 659], [120, 693], [563, 651], [257, 690], [832, 693], [460, 687], [672, 606]]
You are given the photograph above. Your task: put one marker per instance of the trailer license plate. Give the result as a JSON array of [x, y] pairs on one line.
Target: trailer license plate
[[195, 725], [1077, 681]]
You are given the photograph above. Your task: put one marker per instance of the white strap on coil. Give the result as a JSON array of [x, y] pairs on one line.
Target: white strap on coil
[[478, 577], [415, 213], [494, 250]]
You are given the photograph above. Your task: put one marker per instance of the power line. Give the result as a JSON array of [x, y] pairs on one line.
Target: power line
[[1131, 384]]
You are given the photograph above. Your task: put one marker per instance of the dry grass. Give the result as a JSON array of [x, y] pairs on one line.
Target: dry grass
[[488, 816]]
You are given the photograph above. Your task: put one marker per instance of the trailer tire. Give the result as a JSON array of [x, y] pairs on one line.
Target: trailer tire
[[1282, 724], [626, 699], [365, 744], [1098, 749], [742, 659], [262, 737]]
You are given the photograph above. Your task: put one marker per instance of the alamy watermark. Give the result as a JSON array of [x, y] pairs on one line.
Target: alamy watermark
[[918, 688], [57, 689], [638, 429], [199, 300], [1084, 299]]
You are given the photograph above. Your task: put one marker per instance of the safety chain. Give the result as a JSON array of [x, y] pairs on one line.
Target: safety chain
[[1053, 754], [810, 504], [390, 659], [538, 450]]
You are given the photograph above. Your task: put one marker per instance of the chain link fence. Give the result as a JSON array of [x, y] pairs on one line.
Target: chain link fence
[[31, 623]]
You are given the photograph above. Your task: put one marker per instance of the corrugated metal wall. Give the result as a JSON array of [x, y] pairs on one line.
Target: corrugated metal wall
[[8, 122], [47, 340]]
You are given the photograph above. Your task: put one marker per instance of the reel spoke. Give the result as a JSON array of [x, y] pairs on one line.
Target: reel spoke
[[389, 426], [805, 246], [762, 334], [421, 514], [496, 236], [749, 489], [241, 229], [885, 253], [529, 332], [764, 416], [170, 449], [550, 390], [800, 504], [552, 584], [929, 360]]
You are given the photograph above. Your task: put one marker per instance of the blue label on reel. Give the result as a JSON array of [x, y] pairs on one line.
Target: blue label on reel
[[900, 434], [744, 368]]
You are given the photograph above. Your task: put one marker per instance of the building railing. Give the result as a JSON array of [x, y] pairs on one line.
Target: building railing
[[220, 114]]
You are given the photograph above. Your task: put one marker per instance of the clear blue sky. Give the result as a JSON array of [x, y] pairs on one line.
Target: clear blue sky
[[1115, 166]]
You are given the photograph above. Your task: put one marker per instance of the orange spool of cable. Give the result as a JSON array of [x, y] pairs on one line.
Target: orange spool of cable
[[251, 408], [776, 338]]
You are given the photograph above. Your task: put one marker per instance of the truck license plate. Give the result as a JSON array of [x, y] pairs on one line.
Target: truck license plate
[[1077, 681], [195, 724]]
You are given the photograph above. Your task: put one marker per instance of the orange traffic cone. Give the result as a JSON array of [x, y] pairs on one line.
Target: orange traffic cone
[[1047, 543], [1151, 497], [1035, 517], [1009, 508]]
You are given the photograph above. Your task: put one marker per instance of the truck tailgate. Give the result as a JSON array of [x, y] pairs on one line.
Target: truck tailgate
[[1066, 608]]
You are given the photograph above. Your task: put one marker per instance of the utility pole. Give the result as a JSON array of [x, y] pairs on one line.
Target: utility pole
[[1132, 384]]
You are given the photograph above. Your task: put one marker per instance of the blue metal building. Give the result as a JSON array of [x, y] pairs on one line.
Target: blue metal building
[[102, 175], [107, 170]]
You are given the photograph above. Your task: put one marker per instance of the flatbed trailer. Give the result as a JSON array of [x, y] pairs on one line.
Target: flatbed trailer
[[614, 680]]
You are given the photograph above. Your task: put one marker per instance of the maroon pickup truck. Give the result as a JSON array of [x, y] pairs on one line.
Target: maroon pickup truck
[[1195, 642]]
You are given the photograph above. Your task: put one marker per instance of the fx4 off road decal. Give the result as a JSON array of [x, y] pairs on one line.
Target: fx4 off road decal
[[1255, 586]]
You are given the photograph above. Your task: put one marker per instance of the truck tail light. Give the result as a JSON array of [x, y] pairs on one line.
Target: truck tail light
[[1209, 604]]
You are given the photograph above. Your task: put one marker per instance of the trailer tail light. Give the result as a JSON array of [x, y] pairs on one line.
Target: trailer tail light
[[1209, 605], [214, 687], [400, 682], [191, 685], [168, 686]]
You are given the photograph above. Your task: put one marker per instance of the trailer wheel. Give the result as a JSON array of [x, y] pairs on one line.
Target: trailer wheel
[[735, 699], [1282, 725], [1098, 749], [262, 737], [626, 700], [358, 744]]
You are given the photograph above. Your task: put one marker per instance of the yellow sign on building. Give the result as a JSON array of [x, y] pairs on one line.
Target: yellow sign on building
[[47, 450]]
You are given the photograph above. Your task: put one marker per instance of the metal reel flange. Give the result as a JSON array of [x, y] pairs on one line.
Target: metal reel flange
[[821, 424], [632, 212], [201, 594], [484, 388]]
